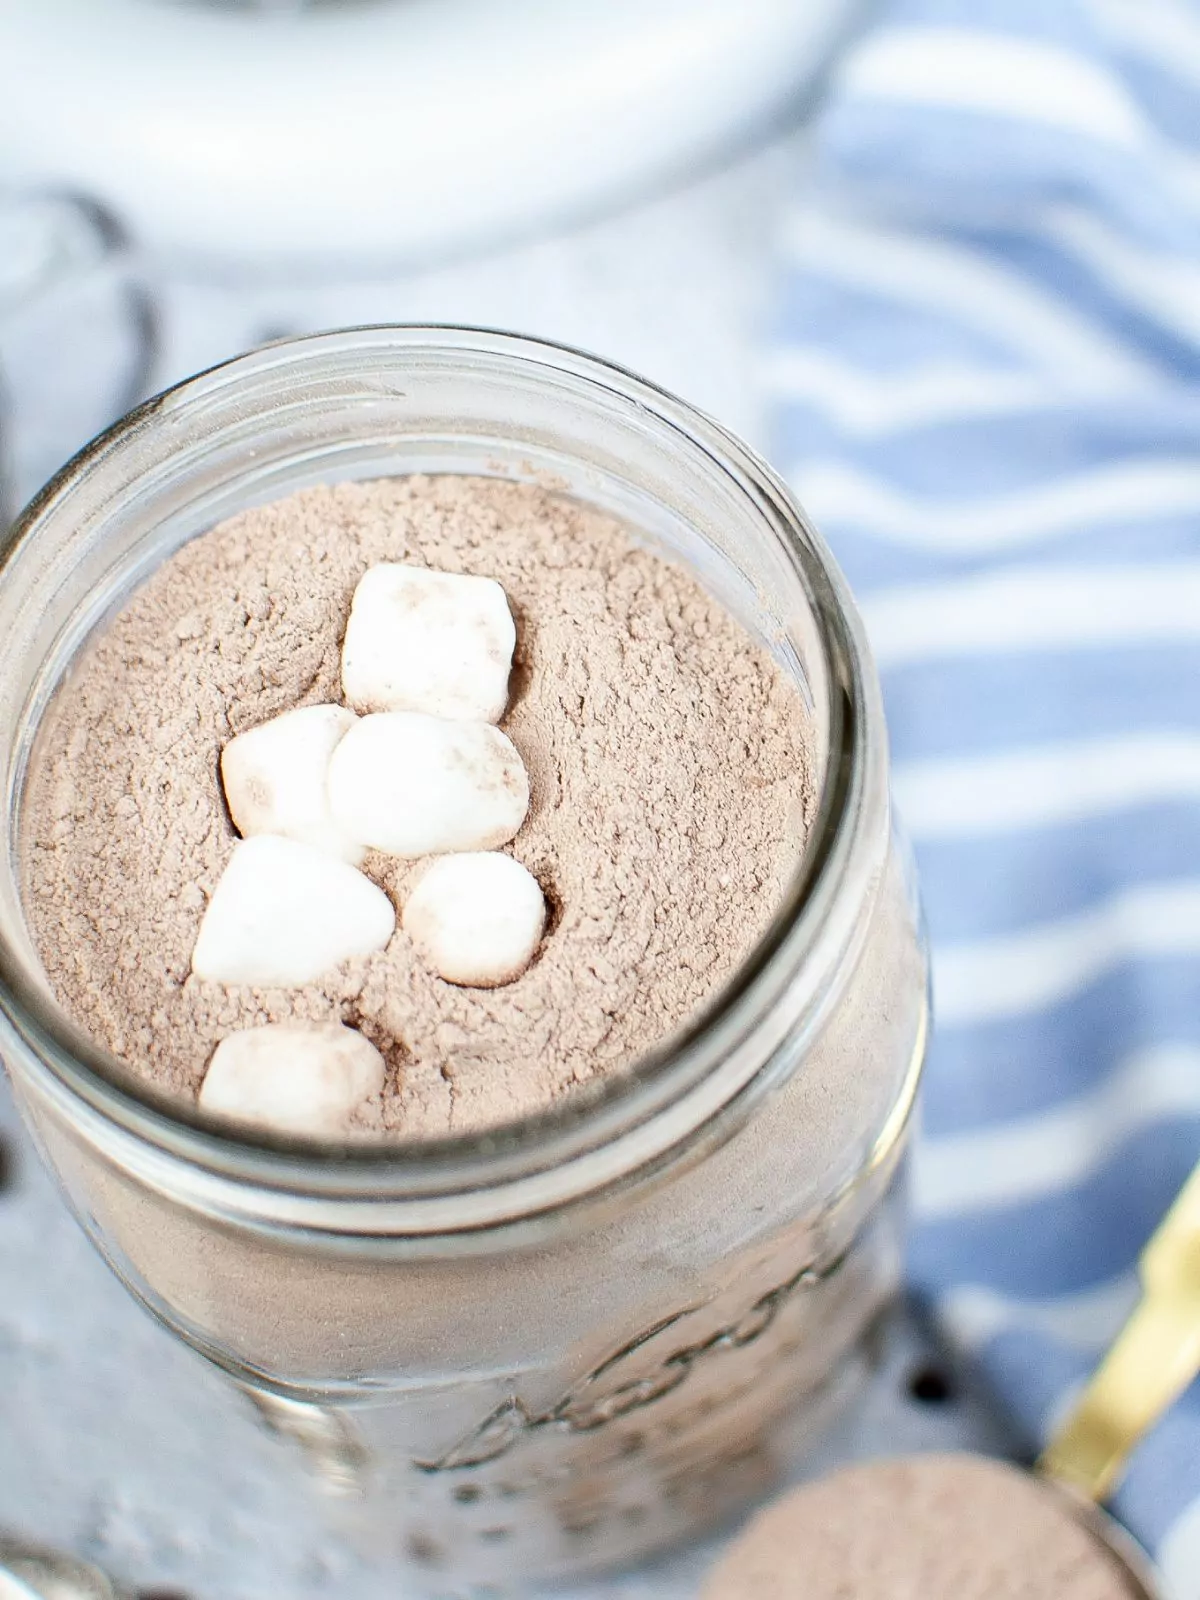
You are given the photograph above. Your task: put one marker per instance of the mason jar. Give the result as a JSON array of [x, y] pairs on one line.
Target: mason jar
[[568, 1341]]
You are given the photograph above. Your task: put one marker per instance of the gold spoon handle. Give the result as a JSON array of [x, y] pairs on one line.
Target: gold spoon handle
[[1155, 1357]]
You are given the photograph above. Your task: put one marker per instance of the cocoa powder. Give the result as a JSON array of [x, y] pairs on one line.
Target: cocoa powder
[[669, 760], [936, 1527]]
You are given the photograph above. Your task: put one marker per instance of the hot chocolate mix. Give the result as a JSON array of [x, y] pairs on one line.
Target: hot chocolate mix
[[953, 1527], [669, 760]]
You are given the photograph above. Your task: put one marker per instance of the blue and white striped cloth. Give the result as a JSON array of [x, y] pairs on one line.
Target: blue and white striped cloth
[[987, 385]]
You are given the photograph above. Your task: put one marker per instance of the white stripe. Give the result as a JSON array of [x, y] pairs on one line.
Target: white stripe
[[1034, 608], [1164, 287], [1030, 1158], [1167, 35], [1183, 174], [992, 73], [954, 281], [870, 404], [1088, 1321], [1179, 1556], [838, 494], [1041, 966], [966, 797], [1164, 33]]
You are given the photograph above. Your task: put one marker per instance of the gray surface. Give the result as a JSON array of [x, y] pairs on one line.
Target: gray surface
[[116, 1443]]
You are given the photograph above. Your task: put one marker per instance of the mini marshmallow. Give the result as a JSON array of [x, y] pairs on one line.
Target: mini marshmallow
[[476, 919], [420, 786], [437, 642], [275, 778], [293, 1077], [285, 912]]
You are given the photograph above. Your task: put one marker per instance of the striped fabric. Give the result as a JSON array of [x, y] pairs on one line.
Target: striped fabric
[[987, 387]]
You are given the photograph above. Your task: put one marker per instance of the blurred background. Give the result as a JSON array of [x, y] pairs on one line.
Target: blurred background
[[605, 175], [940, 260]]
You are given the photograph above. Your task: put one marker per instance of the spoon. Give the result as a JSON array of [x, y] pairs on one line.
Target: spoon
[[1153, 1360]]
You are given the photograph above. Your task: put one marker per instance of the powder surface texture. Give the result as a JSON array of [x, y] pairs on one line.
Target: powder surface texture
[[669, 761], [923, 1528]]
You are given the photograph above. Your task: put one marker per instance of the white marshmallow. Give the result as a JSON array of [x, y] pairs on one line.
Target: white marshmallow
[[294, 1077], [437, 642], [285, 912], [275, 778], [476, 919], [419, 786]]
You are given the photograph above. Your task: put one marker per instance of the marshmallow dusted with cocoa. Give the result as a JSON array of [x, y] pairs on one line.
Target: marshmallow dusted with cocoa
[[305, 1078], [414, 785], [476, 919], [284, 912], [276, 778], [437, 642]]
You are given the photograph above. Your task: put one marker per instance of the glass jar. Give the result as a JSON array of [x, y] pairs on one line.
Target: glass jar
[[569, 1341]]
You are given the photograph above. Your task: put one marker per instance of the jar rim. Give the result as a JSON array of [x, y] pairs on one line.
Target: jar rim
[[684, 1074]]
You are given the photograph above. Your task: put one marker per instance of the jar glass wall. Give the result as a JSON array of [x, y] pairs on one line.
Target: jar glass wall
[[574, 1339]]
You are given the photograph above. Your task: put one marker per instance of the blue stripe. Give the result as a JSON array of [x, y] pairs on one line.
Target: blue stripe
[[1008, 453], [1065, 1242], [875, 561], [1017, 1067], [1031, 1372], [937, 164], [1065, 23], [1001, 885], [882, 334], [1040, 259], [1160, 1483], [1166, 99], [985, 703]]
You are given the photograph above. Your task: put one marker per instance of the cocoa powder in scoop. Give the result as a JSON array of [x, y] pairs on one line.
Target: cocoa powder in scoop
[[935, 1527], [669, 760]]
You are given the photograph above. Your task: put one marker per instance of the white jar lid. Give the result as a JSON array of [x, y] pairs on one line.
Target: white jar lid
[[383, 130]]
